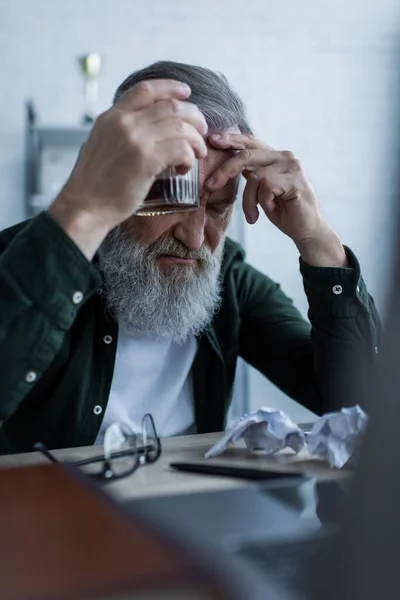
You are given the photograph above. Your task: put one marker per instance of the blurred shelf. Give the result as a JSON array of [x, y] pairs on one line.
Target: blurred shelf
[[62, 136], [40, 201], [50, 154]]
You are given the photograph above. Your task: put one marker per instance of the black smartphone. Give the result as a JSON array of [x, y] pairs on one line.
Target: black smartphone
[[232, 471]]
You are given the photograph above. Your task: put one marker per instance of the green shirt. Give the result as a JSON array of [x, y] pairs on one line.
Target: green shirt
[[58, 346]]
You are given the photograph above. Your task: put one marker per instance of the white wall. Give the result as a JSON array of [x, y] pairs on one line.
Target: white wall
[[318, 76]]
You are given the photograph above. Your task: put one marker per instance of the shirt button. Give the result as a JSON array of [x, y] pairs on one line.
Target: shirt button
[[30, 376], [97, 410], [107, 339], [77, 297], [358, 289], [337, 290], [376, 350]]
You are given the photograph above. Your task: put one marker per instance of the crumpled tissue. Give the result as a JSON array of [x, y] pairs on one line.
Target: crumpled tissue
[[265, 429], [337, 436]]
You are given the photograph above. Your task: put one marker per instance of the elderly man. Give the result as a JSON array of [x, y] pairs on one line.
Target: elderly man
[[106, 315]]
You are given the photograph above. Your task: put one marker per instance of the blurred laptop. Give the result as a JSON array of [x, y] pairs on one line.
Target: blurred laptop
[[267, 538]]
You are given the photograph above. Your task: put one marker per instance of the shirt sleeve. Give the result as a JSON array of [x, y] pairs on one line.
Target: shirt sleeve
[[334, 292], [44, 280], [320, 363]]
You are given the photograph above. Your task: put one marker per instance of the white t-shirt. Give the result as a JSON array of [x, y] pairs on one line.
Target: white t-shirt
[[151, 376]]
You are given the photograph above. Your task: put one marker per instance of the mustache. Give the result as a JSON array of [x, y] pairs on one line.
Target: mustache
[[171, 245]]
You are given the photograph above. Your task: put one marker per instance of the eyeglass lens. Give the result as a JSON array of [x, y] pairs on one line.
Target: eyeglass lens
[[149, 440], [120, 450]]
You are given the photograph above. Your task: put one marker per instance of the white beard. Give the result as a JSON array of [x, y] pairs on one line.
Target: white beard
[[176, 304]]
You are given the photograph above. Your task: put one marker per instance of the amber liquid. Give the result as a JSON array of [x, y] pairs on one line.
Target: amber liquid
[[169, 196]]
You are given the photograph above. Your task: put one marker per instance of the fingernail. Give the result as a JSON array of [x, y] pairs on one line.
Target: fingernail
[[186, 88], [216, 136], [211, 181], [251, 219]]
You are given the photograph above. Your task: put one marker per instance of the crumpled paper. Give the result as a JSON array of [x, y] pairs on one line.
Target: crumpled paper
[[337, 436], [265, 429]]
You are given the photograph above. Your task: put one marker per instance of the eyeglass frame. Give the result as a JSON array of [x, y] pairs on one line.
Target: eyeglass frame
[[107, 474]]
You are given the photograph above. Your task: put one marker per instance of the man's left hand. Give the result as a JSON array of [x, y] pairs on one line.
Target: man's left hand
[[276, 181]]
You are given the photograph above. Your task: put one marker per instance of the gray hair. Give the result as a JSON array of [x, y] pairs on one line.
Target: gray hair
[[220, 105]]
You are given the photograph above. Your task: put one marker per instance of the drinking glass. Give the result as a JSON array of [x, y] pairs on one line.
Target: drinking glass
[[171, 193]]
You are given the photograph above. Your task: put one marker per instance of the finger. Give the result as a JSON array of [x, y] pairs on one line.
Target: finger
[[273, 180], [177, 153], [178, 109], [266, 199], [147, 92], [245, 160], [250, 199], [176, 129], [272, 186], [237, 141]]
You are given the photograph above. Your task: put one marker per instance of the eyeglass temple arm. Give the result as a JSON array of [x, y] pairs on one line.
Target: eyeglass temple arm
[[42, 448]]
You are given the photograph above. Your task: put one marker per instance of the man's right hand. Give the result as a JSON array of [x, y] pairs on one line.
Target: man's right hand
[[149, 128]]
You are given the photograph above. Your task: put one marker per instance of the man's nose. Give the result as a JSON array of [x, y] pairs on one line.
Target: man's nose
[[190, 229]]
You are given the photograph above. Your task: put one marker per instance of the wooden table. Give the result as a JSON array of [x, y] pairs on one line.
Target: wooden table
[[160, 480]]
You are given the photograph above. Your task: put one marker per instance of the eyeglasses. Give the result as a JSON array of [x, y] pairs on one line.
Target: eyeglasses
[[124, 451]]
